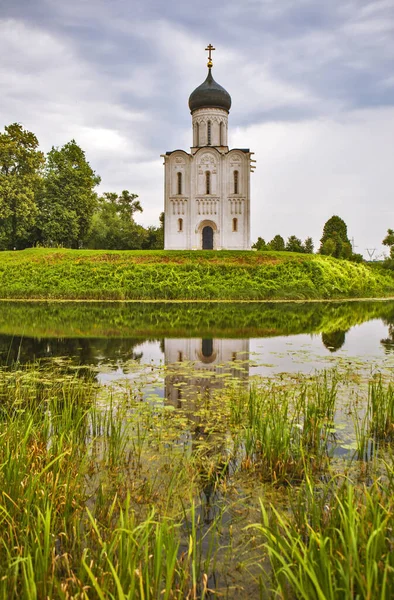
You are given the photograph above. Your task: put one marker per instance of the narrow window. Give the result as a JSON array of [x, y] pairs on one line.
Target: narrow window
[[235, 224], [235, 182], [221, 134], [180, 224], [207, 182], [197, 134], [209, 132], [207, 348], [179, 182]]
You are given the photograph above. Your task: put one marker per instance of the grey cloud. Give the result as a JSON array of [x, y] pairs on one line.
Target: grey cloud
[[117, 75]]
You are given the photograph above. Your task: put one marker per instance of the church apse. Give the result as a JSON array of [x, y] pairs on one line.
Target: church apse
[[211, 182]]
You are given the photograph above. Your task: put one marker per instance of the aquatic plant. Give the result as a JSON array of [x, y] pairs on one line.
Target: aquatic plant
[[76, 511], [103, 495], [287, 430], [343, 549], [381, 409]]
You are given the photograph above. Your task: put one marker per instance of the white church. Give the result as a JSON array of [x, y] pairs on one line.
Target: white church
[[207, 191]]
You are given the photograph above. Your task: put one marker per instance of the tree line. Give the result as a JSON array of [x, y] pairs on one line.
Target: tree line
[[334, 242], [51, 200]]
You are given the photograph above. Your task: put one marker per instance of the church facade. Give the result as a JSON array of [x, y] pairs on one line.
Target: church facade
[[207, 190]]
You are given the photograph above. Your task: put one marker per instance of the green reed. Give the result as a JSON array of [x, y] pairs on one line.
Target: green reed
[[287, 429], [342, 548], [76, 502], [374, 422], [99, 492], [381, 410]]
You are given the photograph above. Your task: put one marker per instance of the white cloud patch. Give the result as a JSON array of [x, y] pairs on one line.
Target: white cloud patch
[[51, 91], [308, 171]]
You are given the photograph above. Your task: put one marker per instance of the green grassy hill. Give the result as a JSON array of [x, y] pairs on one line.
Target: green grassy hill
[[183, 275]]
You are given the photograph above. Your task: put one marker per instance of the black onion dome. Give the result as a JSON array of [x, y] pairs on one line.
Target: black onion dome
[[209, 95]]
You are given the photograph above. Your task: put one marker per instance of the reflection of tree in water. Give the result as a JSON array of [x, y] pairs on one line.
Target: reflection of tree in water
[[113, 352], [388, 343], [334, 340]]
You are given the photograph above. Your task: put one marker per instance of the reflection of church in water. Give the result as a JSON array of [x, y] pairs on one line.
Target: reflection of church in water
[[207, 365]]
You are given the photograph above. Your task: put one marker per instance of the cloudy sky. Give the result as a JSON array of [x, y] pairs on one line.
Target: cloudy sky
[[312, 86]]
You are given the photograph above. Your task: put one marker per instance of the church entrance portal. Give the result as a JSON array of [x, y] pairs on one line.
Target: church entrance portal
[[207, 238]]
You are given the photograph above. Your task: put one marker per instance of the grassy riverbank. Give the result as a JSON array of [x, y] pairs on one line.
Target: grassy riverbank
[[176, 275]]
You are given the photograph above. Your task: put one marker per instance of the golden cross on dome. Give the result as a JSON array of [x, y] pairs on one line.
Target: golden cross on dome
[[210, 48]]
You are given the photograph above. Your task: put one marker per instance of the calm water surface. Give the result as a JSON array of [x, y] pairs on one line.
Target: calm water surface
[[177, 353], [120, 342]]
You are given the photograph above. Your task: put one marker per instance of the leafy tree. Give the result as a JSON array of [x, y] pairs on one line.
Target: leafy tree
[[114, 227], [68, 199], [294, 244], [155, 236], [335, 225], [328, 247], [357, 258], [346, 250], [389, 241], [308, 245], [260, 244], [20, 175], [277, 243], [335, 229]]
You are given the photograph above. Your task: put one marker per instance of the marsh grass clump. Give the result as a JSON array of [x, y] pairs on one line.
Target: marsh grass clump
[[287, 431], [374, 421], [78, 489], [341, 548], [381, 410]]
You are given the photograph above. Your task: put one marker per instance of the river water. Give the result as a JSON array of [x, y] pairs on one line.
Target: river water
[[176, 354], [119, 339]]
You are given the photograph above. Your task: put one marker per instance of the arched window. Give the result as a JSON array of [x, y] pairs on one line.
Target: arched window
[[221, 129], [179, 182], [180, 224], [209, 133], [235, 224], [197, 134], [235, 182], [207, 182]]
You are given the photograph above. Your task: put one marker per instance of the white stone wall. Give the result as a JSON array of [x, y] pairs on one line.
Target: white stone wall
[[218, 120], [189, 206], [177, 206]]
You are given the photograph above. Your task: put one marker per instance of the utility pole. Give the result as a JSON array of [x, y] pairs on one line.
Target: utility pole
[[371, 252]]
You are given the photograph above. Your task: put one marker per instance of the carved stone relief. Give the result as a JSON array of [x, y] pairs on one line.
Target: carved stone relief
[[178, 206], [236, 206], [207, 163]]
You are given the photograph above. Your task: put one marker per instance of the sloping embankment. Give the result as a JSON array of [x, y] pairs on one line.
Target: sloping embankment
[[161, 275]]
